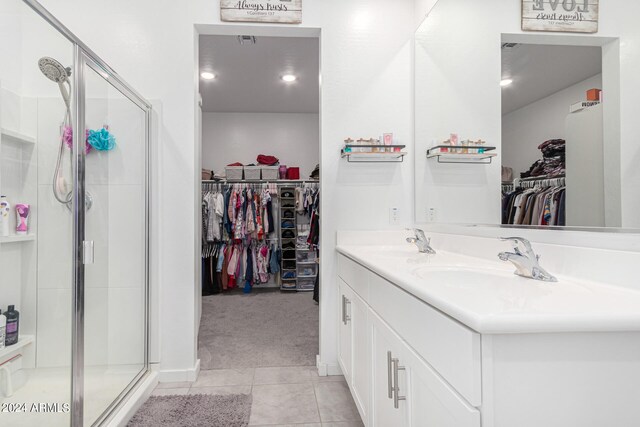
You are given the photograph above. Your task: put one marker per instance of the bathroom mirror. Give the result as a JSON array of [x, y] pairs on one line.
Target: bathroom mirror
[[551, 112]]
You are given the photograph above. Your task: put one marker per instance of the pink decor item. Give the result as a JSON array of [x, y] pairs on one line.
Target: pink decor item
[[22, 218]]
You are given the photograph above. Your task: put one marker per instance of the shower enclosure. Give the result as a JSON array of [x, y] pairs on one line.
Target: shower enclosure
[[79, 273]]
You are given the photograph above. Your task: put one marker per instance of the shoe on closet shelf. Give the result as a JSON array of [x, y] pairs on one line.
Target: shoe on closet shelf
[[288, 245], [287, 214], [289, 275], [287, 194], [288, 205], [288, 234], [288, 224]]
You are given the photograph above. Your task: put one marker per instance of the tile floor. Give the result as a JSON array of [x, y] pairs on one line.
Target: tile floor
[[282, 396]]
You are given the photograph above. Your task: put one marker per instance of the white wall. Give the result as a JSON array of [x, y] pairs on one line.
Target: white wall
[[366, 59], [239, 137], [526, 128], [422, 8], [463, 62]]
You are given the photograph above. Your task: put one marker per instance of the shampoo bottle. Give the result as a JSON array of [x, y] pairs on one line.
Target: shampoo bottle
[[13, 325], [3, 329], [5, 209], [22, 218]]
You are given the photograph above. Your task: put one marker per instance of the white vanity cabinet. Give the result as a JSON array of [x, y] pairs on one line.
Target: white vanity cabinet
[[391, 384], [353, 354], [410, 364]]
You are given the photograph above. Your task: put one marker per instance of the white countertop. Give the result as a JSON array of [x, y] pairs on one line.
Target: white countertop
[[487, 297]]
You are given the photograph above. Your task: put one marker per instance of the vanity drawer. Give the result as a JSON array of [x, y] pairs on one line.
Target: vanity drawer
[[354, 275], [452, 349]]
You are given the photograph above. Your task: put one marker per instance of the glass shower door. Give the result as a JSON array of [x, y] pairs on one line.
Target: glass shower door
[[115, 270]]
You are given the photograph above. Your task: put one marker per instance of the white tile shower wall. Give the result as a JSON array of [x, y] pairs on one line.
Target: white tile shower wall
[[18, 181], [366, 58], [115, 280], [10, 45]]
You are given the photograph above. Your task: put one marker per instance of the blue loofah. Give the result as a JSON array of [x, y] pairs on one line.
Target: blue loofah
[[101, 139]]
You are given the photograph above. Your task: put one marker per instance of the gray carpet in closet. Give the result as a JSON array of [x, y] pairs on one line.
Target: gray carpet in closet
[[264, 328]]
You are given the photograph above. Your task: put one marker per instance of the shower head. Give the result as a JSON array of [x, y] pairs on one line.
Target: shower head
[[54, 70]]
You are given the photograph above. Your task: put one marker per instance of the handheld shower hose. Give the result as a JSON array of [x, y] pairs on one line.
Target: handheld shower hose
[[57, 73]]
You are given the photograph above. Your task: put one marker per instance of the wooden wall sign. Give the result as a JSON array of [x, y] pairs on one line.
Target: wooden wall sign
[[573, 16], [279, 11]]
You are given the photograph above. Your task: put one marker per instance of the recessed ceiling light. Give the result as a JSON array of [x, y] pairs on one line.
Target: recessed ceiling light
[[207, 75], [505, 82], [289, 78]]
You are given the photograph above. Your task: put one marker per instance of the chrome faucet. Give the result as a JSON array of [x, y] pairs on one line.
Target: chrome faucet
[[526, 263], [421, 241]]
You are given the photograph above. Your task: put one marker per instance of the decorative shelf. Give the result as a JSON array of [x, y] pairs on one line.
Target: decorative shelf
[[23, 341], [17, 238], [371, 156], [17, 136], [463, 158]]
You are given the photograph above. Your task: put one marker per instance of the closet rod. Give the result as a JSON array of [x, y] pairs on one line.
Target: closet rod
[[265, 181], [558, 181]]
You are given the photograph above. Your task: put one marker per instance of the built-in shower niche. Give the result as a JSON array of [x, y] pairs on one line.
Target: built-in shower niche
[[18, 252]]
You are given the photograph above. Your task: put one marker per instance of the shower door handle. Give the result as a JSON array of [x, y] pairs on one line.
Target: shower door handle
[[87, 252]]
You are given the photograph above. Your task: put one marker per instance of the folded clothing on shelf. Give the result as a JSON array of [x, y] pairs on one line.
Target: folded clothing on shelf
[[308, 272], [288, 254], [267, 160], [288, 234], [288, 285], [552, 163], [315, 174]]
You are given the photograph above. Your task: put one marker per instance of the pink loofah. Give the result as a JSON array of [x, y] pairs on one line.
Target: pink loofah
[[67, 137]]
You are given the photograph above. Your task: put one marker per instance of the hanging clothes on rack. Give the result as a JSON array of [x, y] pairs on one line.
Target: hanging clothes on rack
[[535, 202], [241, 231]]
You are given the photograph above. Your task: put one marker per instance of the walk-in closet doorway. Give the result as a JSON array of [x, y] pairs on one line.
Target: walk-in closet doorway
[[258, 125]]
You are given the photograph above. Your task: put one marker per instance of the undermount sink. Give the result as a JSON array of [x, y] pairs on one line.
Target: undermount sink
[[465, 276]]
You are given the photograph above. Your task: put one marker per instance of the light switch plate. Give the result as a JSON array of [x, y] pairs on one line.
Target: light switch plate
[[394, 216], [432, 214]]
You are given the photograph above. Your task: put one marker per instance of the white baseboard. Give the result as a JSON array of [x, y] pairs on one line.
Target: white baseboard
[[180, 375], [327, 369], [135, 401]]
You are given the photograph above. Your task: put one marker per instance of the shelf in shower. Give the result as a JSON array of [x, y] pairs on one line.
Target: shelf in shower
[[23, 341], [17, 136], [14, 238]]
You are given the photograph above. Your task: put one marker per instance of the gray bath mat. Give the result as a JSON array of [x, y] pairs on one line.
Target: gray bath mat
[[194, 410]]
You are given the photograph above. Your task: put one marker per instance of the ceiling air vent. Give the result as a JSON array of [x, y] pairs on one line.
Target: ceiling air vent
[[509, 45], [246, 39]]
